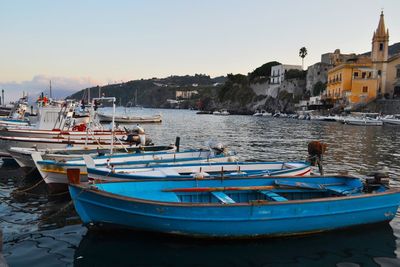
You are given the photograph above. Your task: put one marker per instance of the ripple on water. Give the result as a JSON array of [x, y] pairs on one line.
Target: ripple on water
[[61, 240]]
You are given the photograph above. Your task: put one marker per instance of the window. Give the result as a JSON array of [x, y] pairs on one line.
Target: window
[[340, 77], [398, 72], [381, 47], [355, 74], [369, 74], [363, 75], [365, 89], [379, 72]]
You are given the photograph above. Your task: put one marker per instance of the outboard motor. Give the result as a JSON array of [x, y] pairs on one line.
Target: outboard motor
[[376, 180], [316, 150]]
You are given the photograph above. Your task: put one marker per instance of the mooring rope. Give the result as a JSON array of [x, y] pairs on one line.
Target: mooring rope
[[29, 188]]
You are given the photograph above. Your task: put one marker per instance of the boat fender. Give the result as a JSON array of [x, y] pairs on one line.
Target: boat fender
[[233, 159], [218, 148], [198, 175], [142, 138], [138, 129]]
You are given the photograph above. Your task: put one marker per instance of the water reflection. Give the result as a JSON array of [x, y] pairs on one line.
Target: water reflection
[[54, 237], [364, 246]]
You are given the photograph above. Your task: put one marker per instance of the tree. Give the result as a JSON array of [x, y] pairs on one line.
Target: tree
[[262, 71], [302, 54], [295, 74], [318, 88]]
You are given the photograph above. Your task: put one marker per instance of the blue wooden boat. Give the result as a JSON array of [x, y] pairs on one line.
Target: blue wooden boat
[[236, 207], [55, 172], [200, 170]]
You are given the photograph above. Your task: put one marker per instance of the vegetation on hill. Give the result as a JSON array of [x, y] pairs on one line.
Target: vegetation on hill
[[154, 92], [295, 74], [262, 73]]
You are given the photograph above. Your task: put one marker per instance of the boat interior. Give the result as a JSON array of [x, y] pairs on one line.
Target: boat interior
[[273, 191]]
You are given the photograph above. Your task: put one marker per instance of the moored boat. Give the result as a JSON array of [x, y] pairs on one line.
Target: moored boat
[[130, 118], [54, 172], [221, 170], [222, 112], [391, 119], [237, 207], [23, 156]]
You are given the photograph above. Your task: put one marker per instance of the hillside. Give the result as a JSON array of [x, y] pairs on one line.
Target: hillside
[[393, 49], [154, 92]]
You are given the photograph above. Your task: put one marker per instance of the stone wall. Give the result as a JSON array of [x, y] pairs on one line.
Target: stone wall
[[385, 106], [317, 73], [293, 86]]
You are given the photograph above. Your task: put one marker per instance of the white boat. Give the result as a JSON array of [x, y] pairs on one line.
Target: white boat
[[56, 172], [222, 112], [262, 113], [223, 170], [60, 143], [363, 119], [391, 119], [57, 133], [23, 156], [130, 118], [16, 116]]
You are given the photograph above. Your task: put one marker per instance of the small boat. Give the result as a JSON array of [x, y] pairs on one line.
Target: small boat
[[391, 119], [362, 121], [57, 133], [203, 112], [235, 208], [222, 112], [61, 143], [262, 113], [54, 172], [23, 156], [324, 118], [222, 170], [130, 119]]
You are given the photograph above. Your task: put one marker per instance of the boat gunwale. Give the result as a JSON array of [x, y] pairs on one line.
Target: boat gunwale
[[103, 193], [98, 171]]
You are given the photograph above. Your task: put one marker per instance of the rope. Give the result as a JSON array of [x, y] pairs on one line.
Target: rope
[[29, 188]]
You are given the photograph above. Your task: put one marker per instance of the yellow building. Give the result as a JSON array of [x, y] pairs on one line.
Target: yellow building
[[353, 81], [362, 78]]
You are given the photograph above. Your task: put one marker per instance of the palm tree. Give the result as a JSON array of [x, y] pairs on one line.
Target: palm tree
[[302, 54]]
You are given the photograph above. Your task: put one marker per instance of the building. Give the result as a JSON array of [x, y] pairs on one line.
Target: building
[[353, 81], [278, 72], [186, 94], [317, 73], [357, 79], [335, 58]]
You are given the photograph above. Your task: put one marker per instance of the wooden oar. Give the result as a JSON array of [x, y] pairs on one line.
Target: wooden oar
[[213, 189], [249, 188]]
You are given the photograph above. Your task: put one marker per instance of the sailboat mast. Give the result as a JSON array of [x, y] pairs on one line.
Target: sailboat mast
[[51, 95]]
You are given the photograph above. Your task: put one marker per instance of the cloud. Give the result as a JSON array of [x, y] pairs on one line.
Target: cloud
[[61, 86]]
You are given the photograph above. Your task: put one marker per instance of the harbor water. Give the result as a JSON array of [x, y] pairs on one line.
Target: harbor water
[[43, 230]]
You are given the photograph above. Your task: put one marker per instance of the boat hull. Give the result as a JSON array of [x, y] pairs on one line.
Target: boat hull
[[131, 119], [56, 172], [234, 221]]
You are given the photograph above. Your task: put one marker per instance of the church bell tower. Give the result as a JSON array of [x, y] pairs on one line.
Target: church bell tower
[[379, 53]]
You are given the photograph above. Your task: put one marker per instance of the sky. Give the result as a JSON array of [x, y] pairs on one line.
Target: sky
[[82, 43]]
